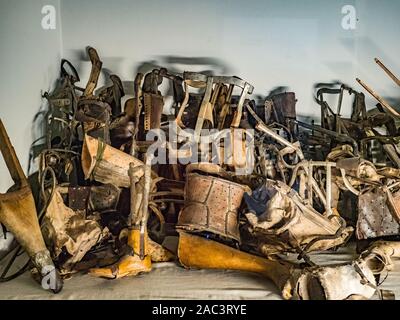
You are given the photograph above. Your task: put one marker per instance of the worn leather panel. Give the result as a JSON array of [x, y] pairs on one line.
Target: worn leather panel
[[211, 204]]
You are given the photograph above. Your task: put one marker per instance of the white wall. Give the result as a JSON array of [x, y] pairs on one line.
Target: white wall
[[269, 43], [29, 59]]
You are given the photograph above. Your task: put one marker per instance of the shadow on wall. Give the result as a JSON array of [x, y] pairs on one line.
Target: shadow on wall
[[175, 64], [39, 125], [178, 64], [39, 129], [393, 101], [277, 90]]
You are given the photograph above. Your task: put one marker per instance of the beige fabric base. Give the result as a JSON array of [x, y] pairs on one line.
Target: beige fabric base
[[169, 281]]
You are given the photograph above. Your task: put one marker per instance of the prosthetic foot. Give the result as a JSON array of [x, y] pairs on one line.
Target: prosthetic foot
[[131, 264]]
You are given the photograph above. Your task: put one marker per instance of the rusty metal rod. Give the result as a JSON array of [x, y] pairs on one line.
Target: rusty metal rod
[[388, 72]]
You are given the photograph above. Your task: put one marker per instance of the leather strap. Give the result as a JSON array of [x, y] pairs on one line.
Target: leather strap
[[182, 108], [95, 72], [239, 110], [205, 105]]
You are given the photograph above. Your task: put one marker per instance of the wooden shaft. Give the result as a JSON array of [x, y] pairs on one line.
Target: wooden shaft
[[200, 253], [382, 101], [388, 72], [10, 158]]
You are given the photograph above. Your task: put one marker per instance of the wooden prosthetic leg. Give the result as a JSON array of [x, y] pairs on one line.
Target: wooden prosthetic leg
[[142, 251], [347, 281], [130, 264], [200, 253], [18, 214]]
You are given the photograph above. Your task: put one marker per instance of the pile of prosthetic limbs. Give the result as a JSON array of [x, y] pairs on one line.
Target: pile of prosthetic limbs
[[239, 184]]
